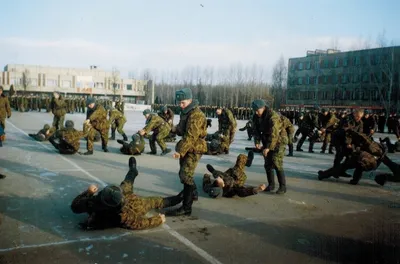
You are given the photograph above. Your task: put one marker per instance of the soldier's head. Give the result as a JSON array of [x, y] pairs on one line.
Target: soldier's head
[[46, 127], [358, 114], [214, 145], [90, 102], [136, 137], [366, 113], [259, 106], [146, 113], [219, 110], [111, 196], [184, 97], [69, 124], [164, 109], [324, 111]]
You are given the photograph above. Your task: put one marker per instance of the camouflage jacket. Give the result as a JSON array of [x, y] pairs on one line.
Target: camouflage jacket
[[361, 142], [156, 123], [193, 129], [58, 107], [287, 126], [71, 137], [227, 122], [235, 176], [98, 117], [5, 110], [137, 146], [168, 117], [329, 122], [267, 129], [352, 123], [116, 116]]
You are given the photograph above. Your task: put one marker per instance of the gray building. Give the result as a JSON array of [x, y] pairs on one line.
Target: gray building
[[73, 81], [363, 78]]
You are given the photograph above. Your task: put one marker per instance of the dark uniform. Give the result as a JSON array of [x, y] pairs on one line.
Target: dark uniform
[[118, 206], [249, 128], [135, 147], [69, 139], [369, 124], [227, 127], [192, 128], [268, 131], [309, 123]]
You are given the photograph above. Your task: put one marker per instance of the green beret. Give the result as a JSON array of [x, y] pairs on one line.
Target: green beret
[[257, 104], [90, 100], [146, 112], [184, 94], [47, 127], [111, 196], [215, 192], [69, 124]]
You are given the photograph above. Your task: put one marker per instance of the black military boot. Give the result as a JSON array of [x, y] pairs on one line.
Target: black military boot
[[186, 208], [125, 137], [310, 147], [282, 182], [105, 149], [323, 149], [89, 152], [356, 176], [172, 200], [250, 157], [112, 134], [301, 142], [381, 179], [331, 149], [2, 176], [195, 192], [270, 179], [165, 151], [290, 150]]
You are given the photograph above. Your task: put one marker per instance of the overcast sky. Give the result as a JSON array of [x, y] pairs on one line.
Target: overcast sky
[[171, 34]]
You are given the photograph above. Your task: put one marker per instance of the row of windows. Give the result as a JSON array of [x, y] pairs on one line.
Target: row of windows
[[373, 95], [326, 63], [344, 78]]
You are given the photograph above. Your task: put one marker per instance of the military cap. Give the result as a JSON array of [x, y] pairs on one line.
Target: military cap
[[257, 104], [69, 124], [46, 126], [146, 112], [90, 100], [164, 108], [323, 110], [136, 137], [111, 196], [215, 192], [183, 94], [214, 145]]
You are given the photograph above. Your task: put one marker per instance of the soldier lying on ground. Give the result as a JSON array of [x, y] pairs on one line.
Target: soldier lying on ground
[[44, 134], [231, 182], [135, 147], [392, 148], [118, 206], [68, 138]]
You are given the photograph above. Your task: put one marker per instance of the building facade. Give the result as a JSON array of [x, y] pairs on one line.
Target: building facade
[[73, 81], [363, 78]]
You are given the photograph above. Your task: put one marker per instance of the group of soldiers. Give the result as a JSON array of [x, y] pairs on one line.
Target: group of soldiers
[[350, 137]]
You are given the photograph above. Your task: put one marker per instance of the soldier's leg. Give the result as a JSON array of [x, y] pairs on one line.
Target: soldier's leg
[[290, 145], [113, 127], [301, 141], [325, 143], [3, 123], [56, 122], [152, 143], [121, 130], [104, 138], [277, 160], [394, 167], [268, 166], [89, 141], [248, 191], [61, 121], [160, 141], [249, 133], [52, 141]]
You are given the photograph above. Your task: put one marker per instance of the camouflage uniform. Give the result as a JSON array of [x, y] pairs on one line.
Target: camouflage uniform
[[289, 128], [5, 110], [117, 121], [329, 123], [169, 118], [234, 180], [268, 129], [58, 108], [69, 139], [43, 134], [98, 120], [130, 213], [227, 126], [160, 130], [135, 147]]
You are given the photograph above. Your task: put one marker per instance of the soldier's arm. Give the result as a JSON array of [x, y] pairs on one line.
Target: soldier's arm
[[193, 133], [273, 138], [150, 125], [139, 223], [80, 203], [59, 102], [233, 125], [98, 115]]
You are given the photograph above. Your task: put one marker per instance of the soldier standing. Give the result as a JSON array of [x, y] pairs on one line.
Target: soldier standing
[[117, 121], [5, 111], [289, 128], [96, 118], [192, 128], [369, 124], [58, 108], [309, 123], [227, 127], [267, 130], [329, 123], [168, 115], [160, 130]]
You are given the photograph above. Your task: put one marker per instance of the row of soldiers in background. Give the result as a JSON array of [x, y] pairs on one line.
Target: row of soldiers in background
[[239, 113], [74, 104], [296, 116]]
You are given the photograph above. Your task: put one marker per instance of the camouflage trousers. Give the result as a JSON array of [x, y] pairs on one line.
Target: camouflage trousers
[[3, 123], [188, 165], [63, 147], [58, 122], [38, 137], [326, 141], [226, 140], [274, 159], [119, 126], [159, 137], [92, 134]]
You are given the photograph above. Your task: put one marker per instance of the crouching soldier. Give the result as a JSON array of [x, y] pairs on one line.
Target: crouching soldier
[[231, 182], [168, 115], [68, 138], [135, 147], [160, 130], [118, 206], [43, 134], [117, 121]]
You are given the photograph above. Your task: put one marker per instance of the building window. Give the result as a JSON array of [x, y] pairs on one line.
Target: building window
[[345, 62], [308, 65], [99, 85], [66, 84], [129, 87], [356, 61], [336, 64], [326, 64], [300, 81], [300, 66], [365, 77], [308, 80], [292, 66], [345, 78], [356, 78], [325, 79], [335, 79], [34, 82], [16, 81], [51, 82], [316, 65]]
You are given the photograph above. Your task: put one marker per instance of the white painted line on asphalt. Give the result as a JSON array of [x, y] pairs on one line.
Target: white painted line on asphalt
[[172, 232], [296, 202]]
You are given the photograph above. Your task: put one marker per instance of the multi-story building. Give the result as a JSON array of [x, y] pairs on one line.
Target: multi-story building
[[363, 78], [73, 81]]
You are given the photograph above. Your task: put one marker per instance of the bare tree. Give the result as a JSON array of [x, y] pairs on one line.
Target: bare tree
[[115, 81], [26, 79], [279, 74]]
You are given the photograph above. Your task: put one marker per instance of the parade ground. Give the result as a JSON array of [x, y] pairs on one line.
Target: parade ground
[[316, 221]]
